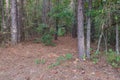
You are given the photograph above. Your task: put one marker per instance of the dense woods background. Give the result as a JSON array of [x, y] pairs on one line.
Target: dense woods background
[[91, 21]]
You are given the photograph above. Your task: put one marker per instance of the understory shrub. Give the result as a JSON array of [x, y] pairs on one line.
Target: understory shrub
[[113, 58], [47, 39]]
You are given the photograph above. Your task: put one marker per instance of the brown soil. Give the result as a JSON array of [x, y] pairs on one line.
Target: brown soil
[[19, 63]]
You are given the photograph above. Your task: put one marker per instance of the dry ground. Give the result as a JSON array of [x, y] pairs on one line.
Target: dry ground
[[18, 63]]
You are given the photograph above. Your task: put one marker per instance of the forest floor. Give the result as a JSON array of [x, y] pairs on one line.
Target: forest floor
[[21, 62]]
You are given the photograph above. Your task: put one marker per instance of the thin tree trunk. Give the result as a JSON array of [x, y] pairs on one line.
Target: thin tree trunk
[[0, 12], [3, 17], [18, 12], [7, 11], [117, 39], [56, 33], [99, 41], [14, 29], [74, 27], [22, 21], [44, 12], [88, 39], [57, 21], [81, 44]]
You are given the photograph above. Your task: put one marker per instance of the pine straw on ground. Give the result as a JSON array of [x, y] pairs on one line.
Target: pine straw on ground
[[18, 63]]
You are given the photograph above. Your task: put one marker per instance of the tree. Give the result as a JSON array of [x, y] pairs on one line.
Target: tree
[[45, 11], [20, 26], [14, 28], [3, 16], [117, 36], [88, 39], [74, 27], [81, 45]]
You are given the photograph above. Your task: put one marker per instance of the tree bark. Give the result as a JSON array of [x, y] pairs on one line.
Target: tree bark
[[57, 21], [3, 17], [0, 12], [45, 10], [74, 27], [81, 44], [88, 39], [14, 28], [117, 39], [20, 25]]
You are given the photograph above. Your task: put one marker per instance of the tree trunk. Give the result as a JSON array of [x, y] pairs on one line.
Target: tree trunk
[[74, 27], [0, 12], [3, 17], [117, 39], [56, 24], [20, 25], [22, 21], [14, 29], [7, 12], [57, 21], [45, 11], [88, 30], [81, 44]]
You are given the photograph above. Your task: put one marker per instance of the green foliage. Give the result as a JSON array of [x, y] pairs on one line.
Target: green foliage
[[37, 40], [62, 11], [61, 31], [68, 56], [42, 28], [95, 58], [42, 61], [37, 61], [60, 59], [113, 58], [46, 35], [47, 39], [54, 64]]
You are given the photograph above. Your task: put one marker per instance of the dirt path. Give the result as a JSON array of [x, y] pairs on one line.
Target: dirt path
[[19, 63]]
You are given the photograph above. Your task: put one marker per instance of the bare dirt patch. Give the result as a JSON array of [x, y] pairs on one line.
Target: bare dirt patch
[[18, 63]]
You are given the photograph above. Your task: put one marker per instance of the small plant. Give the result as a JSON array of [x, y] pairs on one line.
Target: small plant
[[61, 31], [47, 39], [42, 28], [37, 40], [42, 61], [95, 58], [38, 61], [68, 56], [60, 59], [113, 58], [54, 64]]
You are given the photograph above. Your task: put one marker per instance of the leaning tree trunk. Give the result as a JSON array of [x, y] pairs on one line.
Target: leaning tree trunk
[[81, 45], [88, 31], [14, 29]]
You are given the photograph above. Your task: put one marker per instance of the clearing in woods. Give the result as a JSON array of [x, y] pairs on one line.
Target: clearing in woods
[[31, 61]]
